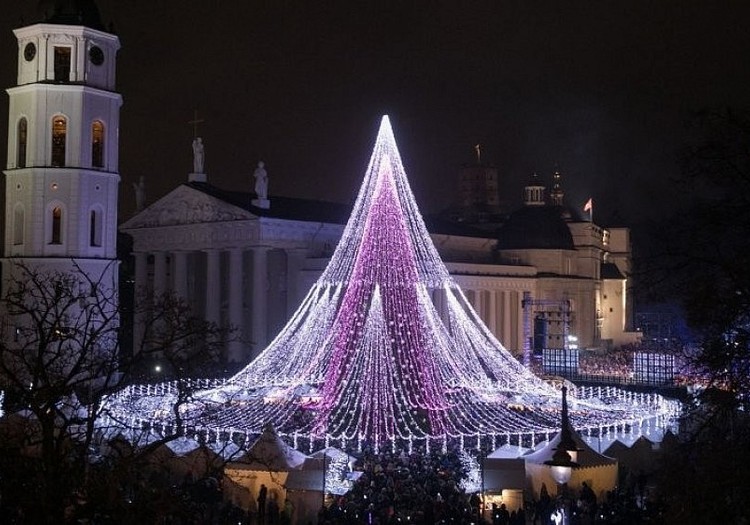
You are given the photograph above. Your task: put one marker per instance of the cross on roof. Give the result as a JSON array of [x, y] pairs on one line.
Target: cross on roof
[[195, 123]]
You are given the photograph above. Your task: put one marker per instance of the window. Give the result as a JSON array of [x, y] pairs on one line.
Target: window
[[59, 136], [21, 146], [97, 144], [18, 218], [95, 228], [56, 225], [62, 64]]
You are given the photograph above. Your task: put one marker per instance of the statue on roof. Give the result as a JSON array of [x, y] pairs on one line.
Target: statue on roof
[[261, 181], [198, 157], [140, 194]]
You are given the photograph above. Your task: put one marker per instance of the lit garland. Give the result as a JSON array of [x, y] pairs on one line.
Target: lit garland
[[472, 480], [369, 358]]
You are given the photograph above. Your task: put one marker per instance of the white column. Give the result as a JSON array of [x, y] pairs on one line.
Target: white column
[[260, 300], [141, 273], [492, 308], [235, 305], [295, 260], [478, 303], [519, 325], [160, 273], [180, 274], [213, 287], [507, 320], [141, 290]]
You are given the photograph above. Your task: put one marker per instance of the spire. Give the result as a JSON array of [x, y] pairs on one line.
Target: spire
[[556, 195], [567, 442]]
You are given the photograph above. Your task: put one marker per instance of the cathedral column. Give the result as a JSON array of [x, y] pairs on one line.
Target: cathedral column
[[260, 299], [507, 320], [160, 273], [295, 260], [492, 307], [141, 273], [141, 290], [235, 306], [180, 274], [476, 302], [213, 287]]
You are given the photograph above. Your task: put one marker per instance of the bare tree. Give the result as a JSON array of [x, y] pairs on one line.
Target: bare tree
[[703, 261], [59, 355]]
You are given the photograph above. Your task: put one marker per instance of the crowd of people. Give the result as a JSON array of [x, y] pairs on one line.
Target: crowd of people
[[403, 488], [617, 363]]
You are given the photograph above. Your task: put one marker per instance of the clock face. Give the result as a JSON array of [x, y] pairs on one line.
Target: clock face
[[29, 52], [96, 55]]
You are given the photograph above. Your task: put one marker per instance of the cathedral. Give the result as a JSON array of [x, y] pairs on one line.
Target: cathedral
[[541, 277]]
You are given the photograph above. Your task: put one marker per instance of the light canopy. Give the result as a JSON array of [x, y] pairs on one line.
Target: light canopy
[[369, 357]]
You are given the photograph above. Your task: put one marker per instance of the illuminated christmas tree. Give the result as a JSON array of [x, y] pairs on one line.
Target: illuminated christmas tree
[[368, 356]]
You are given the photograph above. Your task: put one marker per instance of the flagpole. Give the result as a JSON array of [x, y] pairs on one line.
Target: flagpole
[[589, 207]]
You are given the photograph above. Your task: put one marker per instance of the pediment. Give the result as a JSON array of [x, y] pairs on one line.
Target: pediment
[[186, 205]]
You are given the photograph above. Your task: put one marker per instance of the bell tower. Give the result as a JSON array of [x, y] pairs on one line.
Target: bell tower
[[61, 177]]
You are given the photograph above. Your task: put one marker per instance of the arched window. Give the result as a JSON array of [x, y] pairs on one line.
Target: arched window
[[59, 136], [95, 228], [56, 237], [97, 144], [22, 137], [18, 226]]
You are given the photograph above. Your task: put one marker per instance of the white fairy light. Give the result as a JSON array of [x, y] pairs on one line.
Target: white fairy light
[[369, 359]]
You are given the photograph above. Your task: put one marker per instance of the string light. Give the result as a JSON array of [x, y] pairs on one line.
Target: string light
[[369, 358]]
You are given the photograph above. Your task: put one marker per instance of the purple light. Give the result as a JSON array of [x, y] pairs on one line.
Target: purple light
[[369, 356]]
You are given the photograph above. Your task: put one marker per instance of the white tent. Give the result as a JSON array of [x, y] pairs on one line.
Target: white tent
[[268, 461], [597, 470], [508, 451], [638, 457], [306, 488]]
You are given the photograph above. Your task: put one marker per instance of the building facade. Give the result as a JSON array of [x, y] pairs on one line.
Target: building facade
[[535, 282]]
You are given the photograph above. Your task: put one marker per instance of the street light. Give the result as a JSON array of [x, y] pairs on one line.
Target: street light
[[565, 458], [561, 465]]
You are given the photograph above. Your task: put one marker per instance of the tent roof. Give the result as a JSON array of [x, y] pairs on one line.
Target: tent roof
[[182, 445], [333, 453], [587, 456], [310, 477], [508, 451], [270, 453]]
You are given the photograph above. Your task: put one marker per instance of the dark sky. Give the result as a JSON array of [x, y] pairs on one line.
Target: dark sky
[[601, 89]]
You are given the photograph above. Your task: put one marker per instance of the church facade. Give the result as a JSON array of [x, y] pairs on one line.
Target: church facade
[[536, 283]]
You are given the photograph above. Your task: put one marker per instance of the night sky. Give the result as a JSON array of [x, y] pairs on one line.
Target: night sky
[[602, 90]]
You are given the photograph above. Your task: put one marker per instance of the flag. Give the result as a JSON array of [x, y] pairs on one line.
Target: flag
[[589, 206]]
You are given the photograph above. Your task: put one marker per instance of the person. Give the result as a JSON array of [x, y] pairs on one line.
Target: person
[[140, 193], [198, 155], [503, 515], [557, 516], [288, 512], [262, 494], [261, 181], [475, 502]]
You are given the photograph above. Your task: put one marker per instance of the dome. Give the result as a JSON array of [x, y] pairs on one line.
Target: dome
[[71, 12], [535, 227]]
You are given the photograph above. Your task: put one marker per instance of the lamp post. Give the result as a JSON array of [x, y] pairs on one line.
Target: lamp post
[[565, 458], [561, 466]]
